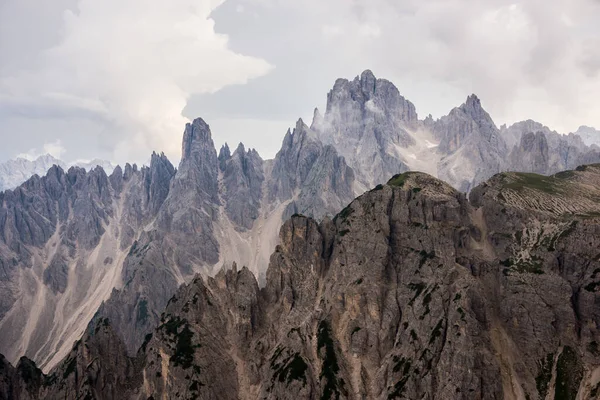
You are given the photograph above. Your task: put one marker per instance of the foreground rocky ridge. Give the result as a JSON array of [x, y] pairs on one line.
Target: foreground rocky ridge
[[77, 245], [412, 291]]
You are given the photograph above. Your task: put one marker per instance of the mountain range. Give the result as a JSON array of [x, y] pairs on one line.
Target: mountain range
[[136, 266], [15, 172]]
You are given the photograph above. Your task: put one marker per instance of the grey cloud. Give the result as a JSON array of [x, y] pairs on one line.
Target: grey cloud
[[529, 59]]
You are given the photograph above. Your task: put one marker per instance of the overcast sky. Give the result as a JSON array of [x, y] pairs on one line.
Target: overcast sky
[[117, 79]]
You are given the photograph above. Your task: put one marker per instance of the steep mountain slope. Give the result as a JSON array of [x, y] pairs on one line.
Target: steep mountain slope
[[470, 144], [540, 150], [379, 134], [412, 291], [63, 242], [589, 135], [76, 245], [367, 121], [15, 172]]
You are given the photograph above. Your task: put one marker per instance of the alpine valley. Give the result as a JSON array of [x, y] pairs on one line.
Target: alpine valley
[[377, 256]]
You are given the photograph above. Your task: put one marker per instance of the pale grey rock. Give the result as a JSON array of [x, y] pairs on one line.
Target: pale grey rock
[[470, 144], [412, 291], [589, 135], [547, 152], [15, 172], [366, 120], [312, 175], [243, 178]]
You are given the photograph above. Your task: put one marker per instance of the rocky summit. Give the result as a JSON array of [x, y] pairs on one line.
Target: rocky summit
[[412, 291], [232, 276]]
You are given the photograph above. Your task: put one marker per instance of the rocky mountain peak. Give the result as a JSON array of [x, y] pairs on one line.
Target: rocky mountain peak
[[317, 121], [240, 149], [224, 155], [197, 137], [368, 82], [475, 110], [589, 135]]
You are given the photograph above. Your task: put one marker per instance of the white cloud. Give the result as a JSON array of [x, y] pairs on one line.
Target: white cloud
[[133, 64], [528, 59], [371, 106], [55, 149]]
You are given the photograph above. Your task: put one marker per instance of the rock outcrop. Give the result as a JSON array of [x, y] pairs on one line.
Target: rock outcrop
[[367, 120], [470, 145], [243, 177], [310, 174], [543, 151], [82, 245], [412, 291]]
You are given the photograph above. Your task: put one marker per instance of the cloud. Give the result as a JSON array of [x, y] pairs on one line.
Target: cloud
[[55, 149], [528, 59], [133, 65], [129, 68]]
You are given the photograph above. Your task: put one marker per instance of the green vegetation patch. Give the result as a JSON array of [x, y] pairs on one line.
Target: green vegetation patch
[[569, 373], [437, 331], [546, 184], [179, 330], [345, 213], [570, 229], [426, 256], [533, 266], [293, 368], [402, 365], [71, 366], [333, 386], [591, 287], [399, 179], [565, 175], [142, 312], [418, 289], [544, 375]]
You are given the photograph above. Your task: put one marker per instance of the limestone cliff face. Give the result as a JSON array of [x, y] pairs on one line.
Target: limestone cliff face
[[543, 151], [366, 121], [311, 176], [80, 245], [61, 250], [412, 291], [470, 145], [243, 177]]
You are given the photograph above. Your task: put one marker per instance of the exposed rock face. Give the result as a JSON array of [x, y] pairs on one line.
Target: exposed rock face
[[243, 178], [532, 153], [366, 120], [81, 244], [311, 174], [470, 144], [589, 135], [15, 172], [412, 291], [64, 238], [547, 152]]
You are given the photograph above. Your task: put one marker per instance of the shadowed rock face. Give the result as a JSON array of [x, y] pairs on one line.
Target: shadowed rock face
[[412, 291], [77, 245], [243, 177]]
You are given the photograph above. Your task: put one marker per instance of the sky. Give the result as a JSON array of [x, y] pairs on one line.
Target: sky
[[118, 79]]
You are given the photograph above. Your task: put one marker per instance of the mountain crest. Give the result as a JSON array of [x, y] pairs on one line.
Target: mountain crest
[[197, 135]]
